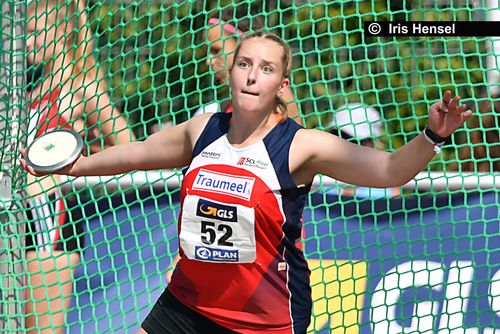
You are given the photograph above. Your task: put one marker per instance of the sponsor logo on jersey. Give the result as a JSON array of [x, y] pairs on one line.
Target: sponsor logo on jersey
[[208, 209], [215, 254], [222, 183], [210, 155], [249, 162]]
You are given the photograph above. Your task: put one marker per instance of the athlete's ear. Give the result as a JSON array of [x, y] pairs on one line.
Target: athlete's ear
[[284, 85]]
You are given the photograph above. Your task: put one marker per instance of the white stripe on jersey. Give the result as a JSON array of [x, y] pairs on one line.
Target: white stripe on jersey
[[49, 225], [36, 218]]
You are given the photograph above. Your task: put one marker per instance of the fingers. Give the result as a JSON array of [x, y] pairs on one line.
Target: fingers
[[459, 109], [21, 158], [85, 151], [25, 165], [445, 101], [466, 115], [449, 104], [452, 106], [28, 168]]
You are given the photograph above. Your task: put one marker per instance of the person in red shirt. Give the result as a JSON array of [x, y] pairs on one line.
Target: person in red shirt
[[65, 90], [247, 180]]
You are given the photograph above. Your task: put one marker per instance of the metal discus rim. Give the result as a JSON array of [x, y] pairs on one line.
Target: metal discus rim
[[64, 161]]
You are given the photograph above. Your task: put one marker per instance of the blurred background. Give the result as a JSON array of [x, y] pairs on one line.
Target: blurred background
[[155, 52]]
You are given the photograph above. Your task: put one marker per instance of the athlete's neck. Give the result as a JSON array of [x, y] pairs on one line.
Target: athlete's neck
[[245, 130]]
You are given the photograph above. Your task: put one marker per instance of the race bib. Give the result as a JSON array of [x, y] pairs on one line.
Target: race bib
[[217, 232]]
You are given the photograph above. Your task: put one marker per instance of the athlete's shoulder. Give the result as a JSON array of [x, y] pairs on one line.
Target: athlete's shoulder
[[211, 119], [201, 121], [285, 130], [307, 142], [207, 123], [292, 124], [310, 136]]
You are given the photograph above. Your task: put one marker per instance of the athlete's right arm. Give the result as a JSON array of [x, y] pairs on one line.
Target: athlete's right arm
[[169, 148]]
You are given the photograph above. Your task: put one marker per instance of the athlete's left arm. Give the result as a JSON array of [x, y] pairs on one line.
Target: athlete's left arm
[[316, 152]]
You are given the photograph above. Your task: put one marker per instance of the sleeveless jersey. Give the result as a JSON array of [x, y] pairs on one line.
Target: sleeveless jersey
[[240, 220]]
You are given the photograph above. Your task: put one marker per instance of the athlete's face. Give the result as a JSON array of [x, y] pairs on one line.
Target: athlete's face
[[256, 77], [220, 52]]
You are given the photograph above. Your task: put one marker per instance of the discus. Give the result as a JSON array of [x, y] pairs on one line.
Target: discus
[[54, 150]]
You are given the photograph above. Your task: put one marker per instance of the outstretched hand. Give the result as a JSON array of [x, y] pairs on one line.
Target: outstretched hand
[[447, 115]]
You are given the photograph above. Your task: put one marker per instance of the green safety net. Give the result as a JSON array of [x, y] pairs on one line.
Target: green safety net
[[404, 260]]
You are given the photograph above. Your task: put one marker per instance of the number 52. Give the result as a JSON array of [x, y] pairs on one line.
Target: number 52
[[209, 233]]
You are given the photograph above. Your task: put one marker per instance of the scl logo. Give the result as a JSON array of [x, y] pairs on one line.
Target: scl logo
[[208, 209], [203, 253]]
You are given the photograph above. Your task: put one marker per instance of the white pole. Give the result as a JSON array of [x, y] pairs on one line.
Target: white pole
[[12, 21], [171, 179], [493, 45]]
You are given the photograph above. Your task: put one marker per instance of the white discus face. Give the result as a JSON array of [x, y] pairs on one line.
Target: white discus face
[[54, 150]]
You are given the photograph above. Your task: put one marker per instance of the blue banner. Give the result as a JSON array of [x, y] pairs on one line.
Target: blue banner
[[431, 263], [419, 263]]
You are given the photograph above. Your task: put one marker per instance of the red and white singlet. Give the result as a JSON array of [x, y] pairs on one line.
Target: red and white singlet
[[239, 226]]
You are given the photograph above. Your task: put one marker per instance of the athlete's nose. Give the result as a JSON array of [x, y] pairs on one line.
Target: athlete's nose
[[252, 76]]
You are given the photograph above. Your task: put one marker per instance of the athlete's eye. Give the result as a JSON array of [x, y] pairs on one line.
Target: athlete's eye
[[243, 64], [267, 69]]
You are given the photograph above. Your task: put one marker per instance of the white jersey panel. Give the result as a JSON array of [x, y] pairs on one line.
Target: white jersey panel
[[253, 158]]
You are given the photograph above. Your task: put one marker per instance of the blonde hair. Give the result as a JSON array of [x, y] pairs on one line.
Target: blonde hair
[[286, 59], [79, 42]]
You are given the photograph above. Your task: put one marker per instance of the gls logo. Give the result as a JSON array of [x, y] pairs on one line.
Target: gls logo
[[208, 209]]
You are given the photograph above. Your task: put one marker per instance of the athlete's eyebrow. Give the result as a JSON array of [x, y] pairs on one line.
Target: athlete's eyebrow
[[250, 60]]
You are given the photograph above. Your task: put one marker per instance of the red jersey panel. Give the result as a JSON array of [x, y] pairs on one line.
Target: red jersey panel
[[44, 115]]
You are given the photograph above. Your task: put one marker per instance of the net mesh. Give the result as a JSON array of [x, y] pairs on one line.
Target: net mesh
[[392, 261]]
